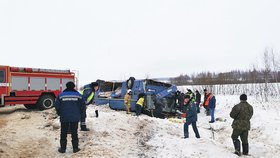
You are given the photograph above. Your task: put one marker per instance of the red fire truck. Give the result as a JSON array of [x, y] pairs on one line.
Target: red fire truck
[[32, 87]]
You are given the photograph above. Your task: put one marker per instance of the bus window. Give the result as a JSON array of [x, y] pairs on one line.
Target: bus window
[[2, 76]]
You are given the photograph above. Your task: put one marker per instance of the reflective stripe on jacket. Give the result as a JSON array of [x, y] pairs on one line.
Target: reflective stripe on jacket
[[88, 94], [70, 107]]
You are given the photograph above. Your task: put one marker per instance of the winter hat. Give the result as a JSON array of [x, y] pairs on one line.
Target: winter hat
[[94, 84], [187, 97], [70, 85], [243, 97]]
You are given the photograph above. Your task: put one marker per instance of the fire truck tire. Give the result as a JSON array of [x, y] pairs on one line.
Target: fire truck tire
[[46, 102], [30, 106]]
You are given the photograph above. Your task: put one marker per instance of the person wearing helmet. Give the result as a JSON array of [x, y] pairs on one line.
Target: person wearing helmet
[[127, 100]]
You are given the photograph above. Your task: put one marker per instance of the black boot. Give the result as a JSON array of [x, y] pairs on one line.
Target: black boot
[[75, 144], [63, 144], [236, 144], [186, 135], [84, 128], [245, 148], [96, 113]]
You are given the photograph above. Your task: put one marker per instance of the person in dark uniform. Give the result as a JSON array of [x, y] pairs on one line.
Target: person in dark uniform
[[88, 95], [241, 113], [197, 100], [191, 117], [212, 106], [70, 107]]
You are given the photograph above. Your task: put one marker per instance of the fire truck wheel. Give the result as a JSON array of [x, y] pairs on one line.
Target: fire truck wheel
[[30, 106], [46, 102]]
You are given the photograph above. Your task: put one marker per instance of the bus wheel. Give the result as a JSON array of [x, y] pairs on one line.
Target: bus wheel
[[30, 106], [46, 102], [130, 82]]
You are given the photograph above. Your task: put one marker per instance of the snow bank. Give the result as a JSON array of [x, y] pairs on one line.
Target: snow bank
[[115, 134]]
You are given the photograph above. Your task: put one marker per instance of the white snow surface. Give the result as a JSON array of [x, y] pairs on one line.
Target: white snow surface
[[116, 134]]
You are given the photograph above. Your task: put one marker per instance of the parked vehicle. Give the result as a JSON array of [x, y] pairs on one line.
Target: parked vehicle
[[33, 87]]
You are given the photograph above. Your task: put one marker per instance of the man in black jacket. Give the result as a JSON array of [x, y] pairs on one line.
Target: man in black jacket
[[69, 106], [197, 100]]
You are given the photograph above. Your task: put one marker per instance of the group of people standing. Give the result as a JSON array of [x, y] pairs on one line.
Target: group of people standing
[[241, 113], [71, 105], [209, 102]]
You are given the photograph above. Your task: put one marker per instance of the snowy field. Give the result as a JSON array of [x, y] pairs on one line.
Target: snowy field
[[114, 134], [123, 135]]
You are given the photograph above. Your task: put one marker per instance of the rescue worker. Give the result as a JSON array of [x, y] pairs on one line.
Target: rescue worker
[[88, 95], [158, 109], [181, 101], [191, 94], [69, 106], [206, 102], [127, 100], [191, 117], [139, 104], [212, 106], [197, 100], [241, 113]]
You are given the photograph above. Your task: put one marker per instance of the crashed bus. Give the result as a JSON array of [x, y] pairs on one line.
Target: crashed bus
[[160, 99]]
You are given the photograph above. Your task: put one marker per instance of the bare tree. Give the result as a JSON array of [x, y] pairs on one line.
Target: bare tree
[[275, 66], [254, 74], [266, 72]]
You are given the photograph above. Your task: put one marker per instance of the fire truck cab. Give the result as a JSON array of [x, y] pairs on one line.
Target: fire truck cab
[[32, 87]]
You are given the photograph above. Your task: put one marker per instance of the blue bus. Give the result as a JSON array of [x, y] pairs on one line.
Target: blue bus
[[160, 97]]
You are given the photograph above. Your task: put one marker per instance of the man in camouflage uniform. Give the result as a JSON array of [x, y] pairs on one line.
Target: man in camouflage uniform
[[241, 113]]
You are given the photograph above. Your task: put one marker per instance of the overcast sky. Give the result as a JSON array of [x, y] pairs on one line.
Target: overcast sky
[[116, 39]]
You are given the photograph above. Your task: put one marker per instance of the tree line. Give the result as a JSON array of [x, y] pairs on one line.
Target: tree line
[[232, 77], [268, 72]]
